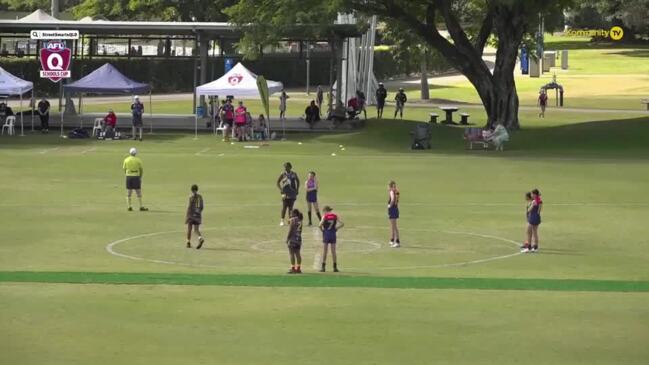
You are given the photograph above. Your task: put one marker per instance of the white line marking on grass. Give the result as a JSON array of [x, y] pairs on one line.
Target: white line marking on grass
[[110, 248], [317, 258], [49, 150], [88, 150], [204, 150]]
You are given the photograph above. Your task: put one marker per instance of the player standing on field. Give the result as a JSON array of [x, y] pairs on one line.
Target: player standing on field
[[288, 184], [194, 217], [393, 214], [294, 241], [134, 171], [329, 225], [311, 185]]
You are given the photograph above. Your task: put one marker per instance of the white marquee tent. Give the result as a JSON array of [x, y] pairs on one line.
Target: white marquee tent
[[12, 85], [238, 82]]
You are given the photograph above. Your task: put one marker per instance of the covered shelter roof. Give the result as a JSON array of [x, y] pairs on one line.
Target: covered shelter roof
[[38, 16], [106, 80], [239, 82], [41, 20], [13, 85]]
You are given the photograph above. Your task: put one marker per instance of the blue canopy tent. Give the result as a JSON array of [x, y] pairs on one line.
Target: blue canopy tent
[[107, 80]]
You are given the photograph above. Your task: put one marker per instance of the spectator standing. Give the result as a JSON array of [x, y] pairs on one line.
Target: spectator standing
[[312, 114], [227, 110], [400, 100], [543, 102], [43, 109], [381, 95], [240, 122], [137, 110], [282, 105], [319, 98]]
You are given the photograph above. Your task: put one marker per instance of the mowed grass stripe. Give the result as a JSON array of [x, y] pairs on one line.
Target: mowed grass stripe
[[332, 281]]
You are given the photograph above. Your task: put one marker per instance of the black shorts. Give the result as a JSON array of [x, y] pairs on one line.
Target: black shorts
[[194, 220], [294, 246], [229, 122], [133, 182], [288, 203]]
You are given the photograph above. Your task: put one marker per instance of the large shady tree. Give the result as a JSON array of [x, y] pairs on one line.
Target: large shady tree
[[470, 24]]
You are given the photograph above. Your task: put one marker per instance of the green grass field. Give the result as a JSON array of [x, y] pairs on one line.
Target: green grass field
[[83, 281]]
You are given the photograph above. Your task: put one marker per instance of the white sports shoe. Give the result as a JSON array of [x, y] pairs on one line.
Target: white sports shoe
[[396, 245], [391, 243], [525, 250], [281, 223]]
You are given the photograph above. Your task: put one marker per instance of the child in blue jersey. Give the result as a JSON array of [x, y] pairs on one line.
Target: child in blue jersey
[[393, 214], [329, 225], [312, 186], [294, 241]]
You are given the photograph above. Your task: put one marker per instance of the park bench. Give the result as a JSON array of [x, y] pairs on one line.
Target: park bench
[[465, 118], [433, 118]]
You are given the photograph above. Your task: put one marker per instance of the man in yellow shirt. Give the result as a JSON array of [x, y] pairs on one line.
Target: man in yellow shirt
[[133, 168]]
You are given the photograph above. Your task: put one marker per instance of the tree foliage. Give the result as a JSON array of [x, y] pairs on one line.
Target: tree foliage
[[171, 10], [266, 22], [631, 14]]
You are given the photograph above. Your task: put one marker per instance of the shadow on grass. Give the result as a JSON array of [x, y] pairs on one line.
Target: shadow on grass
[[623, 138], [53, 139], [634, 53], [587, 44]]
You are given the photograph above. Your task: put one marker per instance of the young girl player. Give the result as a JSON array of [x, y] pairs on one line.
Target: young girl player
[[393, 214], [294, 241], [528, 205], [329, 225], [312, 186], [534, 220], [194, 217]]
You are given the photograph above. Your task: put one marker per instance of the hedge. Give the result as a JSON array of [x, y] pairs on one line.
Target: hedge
[[177, 74]]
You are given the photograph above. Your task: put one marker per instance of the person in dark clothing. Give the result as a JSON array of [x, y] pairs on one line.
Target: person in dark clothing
[[400, 100], [381, 95], [288, 184], [312, 114], [294, 241], [43, 109]]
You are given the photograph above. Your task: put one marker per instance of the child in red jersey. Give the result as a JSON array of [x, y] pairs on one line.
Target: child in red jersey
[[329, 225]]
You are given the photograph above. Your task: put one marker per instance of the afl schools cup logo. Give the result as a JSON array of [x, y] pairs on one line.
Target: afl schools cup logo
[[235, 79], [55, 61]]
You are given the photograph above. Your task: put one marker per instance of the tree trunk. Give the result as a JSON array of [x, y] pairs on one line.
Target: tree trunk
[[424, 77]]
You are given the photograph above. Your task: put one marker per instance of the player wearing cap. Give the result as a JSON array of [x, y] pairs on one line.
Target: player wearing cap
[[137, 109], [133, 169]]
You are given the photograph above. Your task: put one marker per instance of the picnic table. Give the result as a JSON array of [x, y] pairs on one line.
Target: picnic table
[[449, 113]]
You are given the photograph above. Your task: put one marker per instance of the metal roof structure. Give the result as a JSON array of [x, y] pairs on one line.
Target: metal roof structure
[[40, 20]]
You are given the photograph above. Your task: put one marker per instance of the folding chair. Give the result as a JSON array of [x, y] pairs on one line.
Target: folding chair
[[97, 126], [9, 125]]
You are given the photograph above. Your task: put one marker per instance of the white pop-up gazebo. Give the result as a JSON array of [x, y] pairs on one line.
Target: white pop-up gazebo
[[238, 82], [12, 85]]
